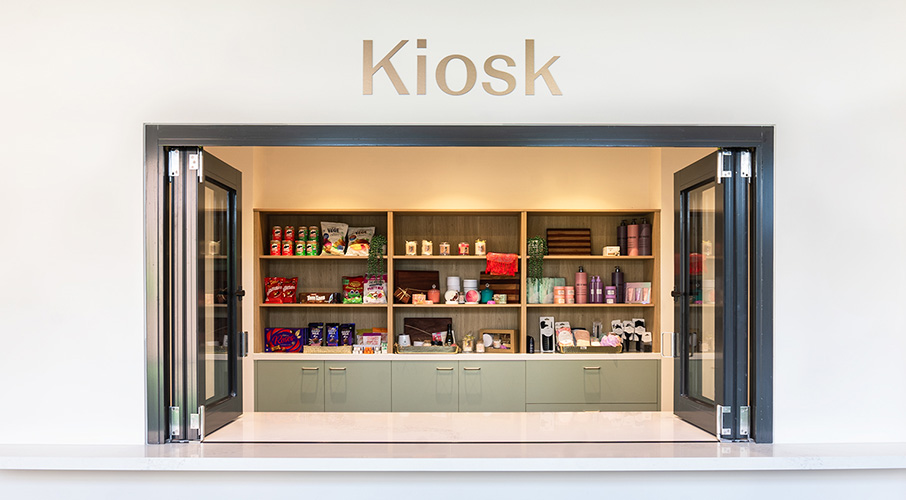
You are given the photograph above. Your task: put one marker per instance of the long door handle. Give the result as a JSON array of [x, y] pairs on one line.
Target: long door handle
[[471, 368], [337, 368], [309, 368], [444, 368]]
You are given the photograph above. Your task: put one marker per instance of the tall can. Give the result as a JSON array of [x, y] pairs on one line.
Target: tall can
[[276, 233], [289, 233], [287, 247], [302, 234], [313, 233], [275, 247], [300, 247], [311, 247]]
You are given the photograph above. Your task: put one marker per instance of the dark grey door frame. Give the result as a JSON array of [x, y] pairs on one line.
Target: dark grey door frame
[[759, 138]]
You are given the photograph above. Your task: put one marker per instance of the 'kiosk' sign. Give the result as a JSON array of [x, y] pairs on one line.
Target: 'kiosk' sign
[[503, 77]]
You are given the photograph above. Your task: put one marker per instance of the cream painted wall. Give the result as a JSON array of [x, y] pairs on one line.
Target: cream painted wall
[[81, 78], [456, 178]]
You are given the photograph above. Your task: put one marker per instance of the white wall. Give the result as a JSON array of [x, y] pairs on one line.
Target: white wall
[[81, 78]]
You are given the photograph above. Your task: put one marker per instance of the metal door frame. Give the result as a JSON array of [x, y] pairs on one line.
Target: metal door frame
[[759, 138]]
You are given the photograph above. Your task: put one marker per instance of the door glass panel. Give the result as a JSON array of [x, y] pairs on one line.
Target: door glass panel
[[215, 277], [701, 300]]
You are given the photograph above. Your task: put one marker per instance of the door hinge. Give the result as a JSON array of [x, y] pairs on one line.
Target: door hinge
[[724, 421], [196, 422], [196, 163], [724, 165], [745, 165], [173, 163], [744, 421], [174, 422]]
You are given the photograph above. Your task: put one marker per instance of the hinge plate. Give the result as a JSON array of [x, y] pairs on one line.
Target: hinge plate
[[745, 165], [174, 422], [724, 416], [724, 165], [173, 163], [744, 421]]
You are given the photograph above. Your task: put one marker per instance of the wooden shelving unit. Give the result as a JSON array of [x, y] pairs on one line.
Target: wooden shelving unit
[[506, 231]]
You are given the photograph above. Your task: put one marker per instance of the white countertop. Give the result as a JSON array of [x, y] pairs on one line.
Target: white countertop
[[451, 357], [555, 457]]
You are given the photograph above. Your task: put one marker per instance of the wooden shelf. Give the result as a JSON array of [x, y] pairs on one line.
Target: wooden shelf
[[321, 306], [460, 306], [314, 257], [440, 257], [571, 306], [598, 257], [502, 229]]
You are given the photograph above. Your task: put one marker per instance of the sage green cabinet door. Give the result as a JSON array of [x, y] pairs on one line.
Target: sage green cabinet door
[[289, 386], [633, 381], [491, 386], [357, 386], [425, 386], [592, 381]]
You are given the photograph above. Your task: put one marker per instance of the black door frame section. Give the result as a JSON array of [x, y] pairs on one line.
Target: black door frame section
[[758, 138]]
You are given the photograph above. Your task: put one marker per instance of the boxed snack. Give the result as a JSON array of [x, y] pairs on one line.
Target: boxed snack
[[375, 289], [315, 334], [283, 339], [273, 290], [332, 335], [353, 288], [333, 238], [347, 334], [359, 239]]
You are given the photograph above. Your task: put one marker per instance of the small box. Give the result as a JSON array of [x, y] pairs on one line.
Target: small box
[[283, 339], [612, 251]]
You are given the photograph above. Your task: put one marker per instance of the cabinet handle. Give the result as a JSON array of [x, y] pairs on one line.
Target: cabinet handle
[[471, 368], [444, 368], [309, 368], [337, 368], [592, 367]]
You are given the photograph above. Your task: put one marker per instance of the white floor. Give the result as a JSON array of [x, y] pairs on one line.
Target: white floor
[[534, 427]]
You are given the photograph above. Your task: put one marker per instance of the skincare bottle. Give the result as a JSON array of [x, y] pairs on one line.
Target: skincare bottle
[[581, 286], [622, 238], [618, 282]]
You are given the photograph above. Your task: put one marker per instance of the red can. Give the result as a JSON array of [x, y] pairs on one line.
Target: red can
[[276, 233], [287, 247], [275, 247], [289, 233]]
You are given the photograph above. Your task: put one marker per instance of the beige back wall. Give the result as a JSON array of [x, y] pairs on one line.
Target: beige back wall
[[456, 178]]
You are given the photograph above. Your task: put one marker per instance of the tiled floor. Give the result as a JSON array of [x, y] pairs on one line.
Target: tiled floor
[[535, 427]]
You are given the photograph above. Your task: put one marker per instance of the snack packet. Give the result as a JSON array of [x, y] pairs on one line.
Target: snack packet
[[273, 290], [333, 334], [375, 289], [333, 238], [315, 333], [353, 288], [347, 334], [289, 290], [359, 239]]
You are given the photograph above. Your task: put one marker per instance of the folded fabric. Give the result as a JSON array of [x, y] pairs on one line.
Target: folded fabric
[[502, 264]]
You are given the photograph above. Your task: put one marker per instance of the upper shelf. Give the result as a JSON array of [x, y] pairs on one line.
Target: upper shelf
[[440, 257], [598, 257], [315, 257]]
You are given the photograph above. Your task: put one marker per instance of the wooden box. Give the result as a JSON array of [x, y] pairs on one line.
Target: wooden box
[[569, 241], [507, 338], [508, 285]]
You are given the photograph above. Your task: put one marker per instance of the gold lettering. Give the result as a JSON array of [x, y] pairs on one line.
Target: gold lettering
[[441, 74], [500, 75], [531, 75], [369, 68], [421, 66]]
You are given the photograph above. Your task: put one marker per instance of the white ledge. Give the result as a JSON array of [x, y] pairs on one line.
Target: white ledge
[[554, 457]]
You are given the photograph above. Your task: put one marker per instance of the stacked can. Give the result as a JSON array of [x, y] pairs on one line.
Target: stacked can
[[559, 295], [570, 295], [311, 244], [276, 238]]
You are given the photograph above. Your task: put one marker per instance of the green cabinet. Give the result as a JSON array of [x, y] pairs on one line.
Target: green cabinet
[[289, 386], [425, 386], [486, 386], [357, 386], [577, 385]]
